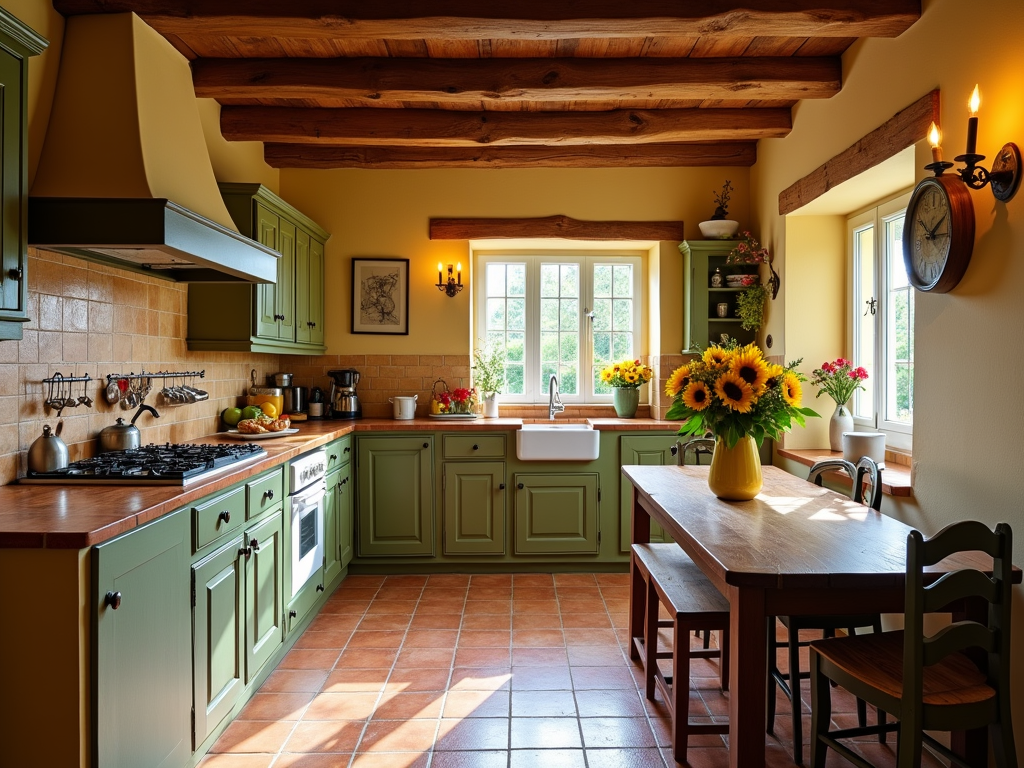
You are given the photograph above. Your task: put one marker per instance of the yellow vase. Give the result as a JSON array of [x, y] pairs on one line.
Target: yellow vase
[[735, 472]]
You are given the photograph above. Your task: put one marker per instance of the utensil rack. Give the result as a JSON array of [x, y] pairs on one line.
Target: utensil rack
[[57, 377], [155, 375], [66, 399]]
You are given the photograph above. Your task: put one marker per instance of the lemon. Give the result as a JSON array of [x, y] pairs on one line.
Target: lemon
[[269, 410], [231, 416]]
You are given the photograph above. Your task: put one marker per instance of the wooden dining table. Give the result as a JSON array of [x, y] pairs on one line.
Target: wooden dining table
[[796, 548]]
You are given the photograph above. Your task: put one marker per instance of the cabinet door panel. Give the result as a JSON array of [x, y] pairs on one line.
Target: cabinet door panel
[[218, 632], [268, 226], [316, 291], [396, 496], [286, 282], [12, 167], [302, 325], [474, 508], [264, 597], [556, 514], [652, 450], [143, 649], [332, 552], [346, 548]]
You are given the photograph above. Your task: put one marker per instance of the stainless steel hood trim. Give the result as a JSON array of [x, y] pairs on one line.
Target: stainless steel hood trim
[[185, 246]]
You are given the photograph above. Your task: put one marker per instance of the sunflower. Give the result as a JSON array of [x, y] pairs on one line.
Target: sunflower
[[735, 392], [696, 396], [606, 375], [750, 366], [677, 381], [715, 356], [792, 392], [630, 376]]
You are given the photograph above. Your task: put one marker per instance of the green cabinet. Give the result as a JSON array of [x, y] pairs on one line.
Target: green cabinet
[[650, 450], [286, 317], [218, 635], [701, 323], [264, 591], [395, 496], [473, 502], [557, 513], [142, 650], [337, 522], [17, 43]]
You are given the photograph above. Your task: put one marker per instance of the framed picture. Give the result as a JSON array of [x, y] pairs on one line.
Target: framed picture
[[380, 296]]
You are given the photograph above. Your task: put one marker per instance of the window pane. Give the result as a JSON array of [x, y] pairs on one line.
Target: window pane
[[623, 280], [549, 280], [516, 318], [570, 315], [567, 380], [496, 279], [602, 314], [602, 347], [504, 314], [602, 281], [515, 347], [865, 318], [549, 347], [516, 279], [570, 281], [549, 314], [623, 315], [622, 346], [515, 380], [899, 355], [495, 314]]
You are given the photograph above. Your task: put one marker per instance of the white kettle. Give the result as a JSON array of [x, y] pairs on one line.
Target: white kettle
[[405, 407]]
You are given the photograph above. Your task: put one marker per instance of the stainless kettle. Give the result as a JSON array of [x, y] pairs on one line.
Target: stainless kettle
[[122, 437], [48, 453]]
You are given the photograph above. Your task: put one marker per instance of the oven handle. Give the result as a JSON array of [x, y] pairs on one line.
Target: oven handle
[[310, 495]]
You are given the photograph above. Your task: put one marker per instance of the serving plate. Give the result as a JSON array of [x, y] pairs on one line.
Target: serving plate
[[261, 435], [455, 416]]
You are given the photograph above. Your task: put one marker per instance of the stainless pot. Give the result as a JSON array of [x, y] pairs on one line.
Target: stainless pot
[[122, 437], [48, 453], [294, 400], [279, 379]]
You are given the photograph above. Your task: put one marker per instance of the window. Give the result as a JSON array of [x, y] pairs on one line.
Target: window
[[567, 315], [883, 322]]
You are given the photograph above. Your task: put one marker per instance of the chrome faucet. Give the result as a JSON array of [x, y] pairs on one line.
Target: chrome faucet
[[554, 401]]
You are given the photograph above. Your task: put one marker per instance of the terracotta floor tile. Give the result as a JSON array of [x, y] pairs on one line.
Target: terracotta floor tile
[[543, 704], [294, 680], [582, 605], [533, 593], [481, 638], [483, 657], [575, 580], [309, 658], [406, 580], [365, 658], [376, 638], [446, 607], [311, 760], [486, 621], [448, 620], [491, 580], [349, 607], [662, 727], [489, 593], [346, 593], [547, 758], [624, 758], [237, 761], [361, 580], [398, 736], [539, 657], [616, 732], [601, 678], [616, 606], [347, 680], [615, 593], [612, 579], [472, 733], [431, 638], [325, 736], [489, 759], [447, 580], [334, 622], [536, 621], [384, 622], [413, 679], [591, 637], [703, 757], [404, 607], [592, 592], [391, 760], [481, 679], [538, 638], [532, 580], [615, 703], [425, 658], [253, 736], [409, 706], [398, 593], [541, 679], [595, 656], [462, 704], [276, 706], [545, 733], [549, 607], [336, 639], [586, 621], [341, 706], [488, 606]]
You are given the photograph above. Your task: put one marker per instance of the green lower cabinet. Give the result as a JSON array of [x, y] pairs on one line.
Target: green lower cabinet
[[396, 496], [218, 633], [556, 514], [647, 450], [474, 508], [142, 649], [264, 592], [346, 524], [337, 523]]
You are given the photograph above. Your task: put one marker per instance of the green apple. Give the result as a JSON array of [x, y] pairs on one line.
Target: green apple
[[231, 416], [251, 412]]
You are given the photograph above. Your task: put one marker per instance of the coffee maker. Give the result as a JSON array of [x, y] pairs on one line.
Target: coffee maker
[[344, 401]]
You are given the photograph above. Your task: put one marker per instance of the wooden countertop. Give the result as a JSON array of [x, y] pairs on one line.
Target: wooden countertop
[[79, 516]]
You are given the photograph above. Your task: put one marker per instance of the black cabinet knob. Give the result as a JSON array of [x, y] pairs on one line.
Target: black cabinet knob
[[476, 447], [247, 551], [501, 487], [312, 325], [254, 545], [319, 587], [15, 273], [278, 317], [292, 614], [225, 516], [426, 445], [346, 450], [343, 481], [270, 494], [674, 449], [333, 457], [520, 486], [112, 599]]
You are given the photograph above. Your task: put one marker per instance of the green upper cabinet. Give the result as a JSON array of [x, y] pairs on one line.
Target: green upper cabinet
[[17, 43], [142, 649], [701, 323], [557, 514], [473, 498], [396, 495], [285, 317]]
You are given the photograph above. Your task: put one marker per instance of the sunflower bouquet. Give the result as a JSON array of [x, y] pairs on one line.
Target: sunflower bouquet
[[629, 374], [734, 391]]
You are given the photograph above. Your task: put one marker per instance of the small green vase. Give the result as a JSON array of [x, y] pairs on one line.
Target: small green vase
[[626, 400]]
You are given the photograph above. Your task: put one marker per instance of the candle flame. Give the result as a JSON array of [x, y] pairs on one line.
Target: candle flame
[[934, 137], [458, 267], [440, 266], [975, 101]]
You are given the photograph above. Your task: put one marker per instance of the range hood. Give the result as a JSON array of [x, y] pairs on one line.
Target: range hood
[[125, 174]]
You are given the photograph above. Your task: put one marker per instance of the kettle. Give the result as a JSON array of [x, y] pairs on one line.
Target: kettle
[[122, 437], [48, 453]]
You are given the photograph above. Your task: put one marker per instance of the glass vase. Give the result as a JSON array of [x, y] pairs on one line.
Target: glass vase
[[735, 473], [626, 400], [841, 421]]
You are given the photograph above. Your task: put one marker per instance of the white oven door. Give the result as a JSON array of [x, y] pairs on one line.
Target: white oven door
[[307, 520]]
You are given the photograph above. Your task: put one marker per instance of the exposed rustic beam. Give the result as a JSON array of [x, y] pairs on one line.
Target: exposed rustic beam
[[439, 128], [594, 156], [524, 19], [904, 129], [473, 81], [554, 227]]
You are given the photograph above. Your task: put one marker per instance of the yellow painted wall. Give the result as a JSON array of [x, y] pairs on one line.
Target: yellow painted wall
[[237, 161], [386, 213], [965, 340]]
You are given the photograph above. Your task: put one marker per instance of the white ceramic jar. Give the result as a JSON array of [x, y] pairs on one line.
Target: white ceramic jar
[[404, 407], [870, 444]]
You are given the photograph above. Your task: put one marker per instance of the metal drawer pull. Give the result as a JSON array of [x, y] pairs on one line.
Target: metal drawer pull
[[113, 599], [520, 486], [319, 587], [346, 450], [343, 481], [269, 494], [292, 614], [247, 551], [501, 487], [334, 457], [426, 445], [225, 516], [476, 447], [254, 545]]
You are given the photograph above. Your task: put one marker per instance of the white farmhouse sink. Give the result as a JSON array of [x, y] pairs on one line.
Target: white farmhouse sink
[[557, 442]]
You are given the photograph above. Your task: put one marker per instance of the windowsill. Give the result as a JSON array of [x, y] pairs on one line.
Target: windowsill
[[895, 477]]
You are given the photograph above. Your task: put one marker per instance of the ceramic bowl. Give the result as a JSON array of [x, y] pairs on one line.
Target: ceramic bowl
[[719, 230]]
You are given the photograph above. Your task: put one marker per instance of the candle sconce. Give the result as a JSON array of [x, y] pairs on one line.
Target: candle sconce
[[450, 287]]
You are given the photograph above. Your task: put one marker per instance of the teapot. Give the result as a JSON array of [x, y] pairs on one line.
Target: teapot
[[48, 452]]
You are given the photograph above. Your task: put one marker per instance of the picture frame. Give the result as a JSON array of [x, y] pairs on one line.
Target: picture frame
[[380, 296]]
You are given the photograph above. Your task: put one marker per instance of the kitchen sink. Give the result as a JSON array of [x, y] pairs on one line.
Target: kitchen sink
[[557, 442]]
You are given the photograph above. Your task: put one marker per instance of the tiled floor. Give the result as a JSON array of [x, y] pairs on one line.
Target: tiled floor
[[491, 671]]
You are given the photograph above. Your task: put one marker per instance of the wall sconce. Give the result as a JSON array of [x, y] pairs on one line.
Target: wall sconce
[[451, 287], [1003, 179]]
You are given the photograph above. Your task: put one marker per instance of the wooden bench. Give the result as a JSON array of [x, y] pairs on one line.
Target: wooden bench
[[673, 580]]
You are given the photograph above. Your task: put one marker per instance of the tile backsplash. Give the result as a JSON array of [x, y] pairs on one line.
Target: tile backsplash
[[92, 319]]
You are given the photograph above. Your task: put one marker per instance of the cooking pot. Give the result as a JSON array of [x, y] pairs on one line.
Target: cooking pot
[[405, 407], [122, 437], [48, 453], [279, 379]]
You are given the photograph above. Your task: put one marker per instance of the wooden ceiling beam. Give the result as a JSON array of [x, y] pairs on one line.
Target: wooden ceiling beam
[[524, 19], [554, 227], [473, 81], [594, 156], [439, 128]]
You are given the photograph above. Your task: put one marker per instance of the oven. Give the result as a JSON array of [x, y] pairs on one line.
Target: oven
[[306, 514]]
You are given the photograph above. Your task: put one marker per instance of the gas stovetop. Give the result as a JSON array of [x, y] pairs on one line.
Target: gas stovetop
[[152, 465]]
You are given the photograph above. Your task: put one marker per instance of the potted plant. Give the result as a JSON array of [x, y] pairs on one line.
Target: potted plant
[[839, 380], [750, 307], [719, 226], [626, 378], [489, 376], [749, 251]]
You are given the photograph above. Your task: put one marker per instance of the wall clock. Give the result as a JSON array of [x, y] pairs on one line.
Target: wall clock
[[938, 234]]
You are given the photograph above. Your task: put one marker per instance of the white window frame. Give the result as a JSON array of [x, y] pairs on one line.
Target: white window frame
[[899, 435], [535, 390]]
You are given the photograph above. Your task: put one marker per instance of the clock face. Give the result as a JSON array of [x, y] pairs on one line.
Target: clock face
[[938, 234]]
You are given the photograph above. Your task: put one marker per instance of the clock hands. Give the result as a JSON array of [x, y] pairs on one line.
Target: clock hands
[[931, 232], [931, 235]]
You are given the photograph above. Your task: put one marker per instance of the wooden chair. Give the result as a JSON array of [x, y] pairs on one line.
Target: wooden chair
[[790, 684], [694, 603], [928, 683]]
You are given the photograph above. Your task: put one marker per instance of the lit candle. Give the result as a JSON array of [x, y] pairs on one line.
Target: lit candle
[[934, 137], [440, 268], [972, 122], [460, 272]]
